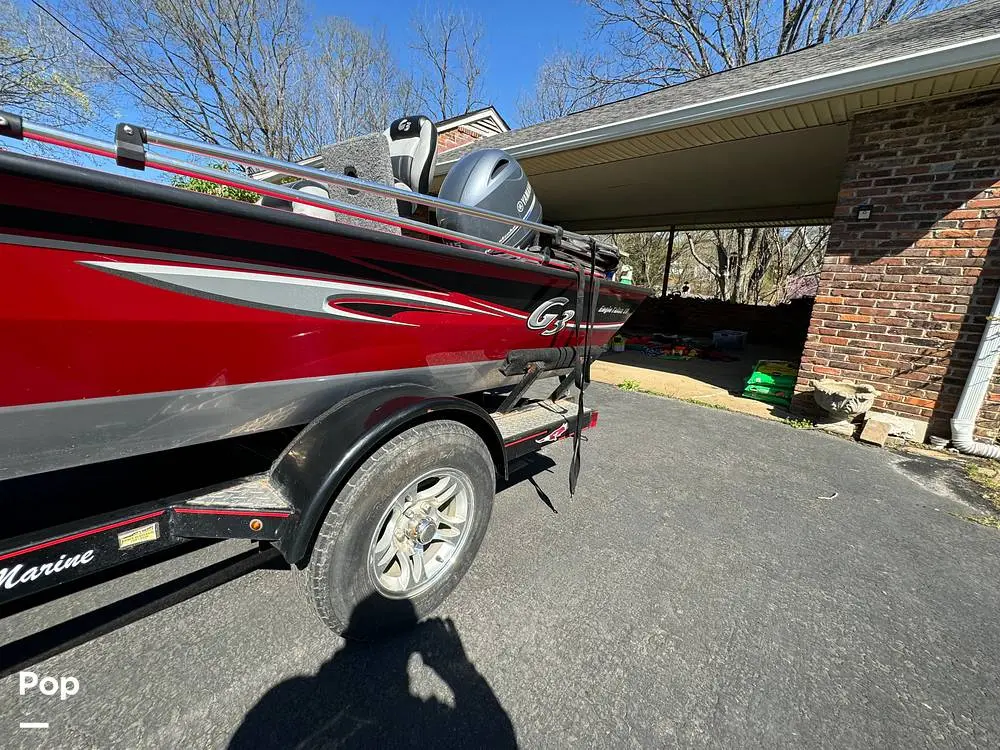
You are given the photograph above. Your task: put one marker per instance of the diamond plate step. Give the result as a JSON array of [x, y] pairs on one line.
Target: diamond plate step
[[536, 416], [255, 493]]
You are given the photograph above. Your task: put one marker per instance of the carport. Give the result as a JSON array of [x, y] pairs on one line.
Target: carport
[[765, 143], [891, 137]]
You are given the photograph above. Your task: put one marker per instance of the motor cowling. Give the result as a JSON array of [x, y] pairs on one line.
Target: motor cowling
[[490, 179]]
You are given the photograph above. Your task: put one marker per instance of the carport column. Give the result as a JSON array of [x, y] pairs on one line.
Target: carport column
[[668, 263], [903, 295]]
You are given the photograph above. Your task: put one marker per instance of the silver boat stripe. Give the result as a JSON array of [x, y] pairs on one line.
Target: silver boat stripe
[[131, 252], [45, 437], [274, 291]]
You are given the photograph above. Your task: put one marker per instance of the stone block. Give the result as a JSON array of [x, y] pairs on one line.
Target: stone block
[[902, 427], [875, 432]]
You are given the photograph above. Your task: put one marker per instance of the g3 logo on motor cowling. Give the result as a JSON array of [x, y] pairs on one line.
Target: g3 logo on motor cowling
[[550, 317]]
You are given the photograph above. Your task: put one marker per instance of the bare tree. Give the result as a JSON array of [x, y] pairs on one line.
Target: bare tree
[[247, 73], [655, 43], [229, 71], [356, 85], [448, 47], [754, 265], [44, 72], [645, 253], [556, 93]]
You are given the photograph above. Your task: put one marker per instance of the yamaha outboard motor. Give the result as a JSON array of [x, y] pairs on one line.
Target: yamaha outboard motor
[[493, 180]]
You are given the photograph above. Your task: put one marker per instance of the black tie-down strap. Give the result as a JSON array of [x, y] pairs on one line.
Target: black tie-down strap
[[587, 293]]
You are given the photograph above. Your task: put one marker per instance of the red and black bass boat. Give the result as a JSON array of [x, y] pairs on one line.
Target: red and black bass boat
[[138, 317], [321, 372]]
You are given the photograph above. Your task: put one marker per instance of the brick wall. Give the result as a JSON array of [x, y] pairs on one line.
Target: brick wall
[[457, 137], [903, 297]]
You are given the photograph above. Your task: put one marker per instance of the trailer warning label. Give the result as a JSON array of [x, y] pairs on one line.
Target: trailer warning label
[[148, 533]]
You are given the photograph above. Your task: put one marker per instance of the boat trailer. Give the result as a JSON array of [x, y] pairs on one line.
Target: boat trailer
[[282, 507]]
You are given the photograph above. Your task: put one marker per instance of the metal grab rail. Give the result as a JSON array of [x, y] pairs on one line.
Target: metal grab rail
[[57, 137], [15, 127], [354, 183], [333, 178]]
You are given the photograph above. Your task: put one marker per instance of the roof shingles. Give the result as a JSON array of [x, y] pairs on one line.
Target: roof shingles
[[964, 23]]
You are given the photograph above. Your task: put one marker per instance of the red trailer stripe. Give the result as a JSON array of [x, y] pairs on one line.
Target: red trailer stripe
[[80, 535], [214, 512]]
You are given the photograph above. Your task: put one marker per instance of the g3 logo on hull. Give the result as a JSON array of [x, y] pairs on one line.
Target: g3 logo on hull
[[550, 317]]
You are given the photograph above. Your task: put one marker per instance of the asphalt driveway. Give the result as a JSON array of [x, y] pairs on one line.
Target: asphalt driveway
[[696, 592]]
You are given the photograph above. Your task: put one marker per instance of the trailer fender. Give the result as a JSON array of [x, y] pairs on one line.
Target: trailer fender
[[312, 469]]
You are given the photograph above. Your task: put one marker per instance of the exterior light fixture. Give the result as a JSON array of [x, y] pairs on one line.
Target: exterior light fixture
[[863, 212]]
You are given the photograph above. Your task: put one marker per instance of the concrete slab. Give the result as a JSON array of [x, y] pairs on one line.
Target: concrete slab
[[713, 383]]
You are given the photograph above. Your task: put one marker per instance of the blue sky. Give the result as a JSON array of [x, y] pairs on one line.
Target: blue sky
[[520, 34]]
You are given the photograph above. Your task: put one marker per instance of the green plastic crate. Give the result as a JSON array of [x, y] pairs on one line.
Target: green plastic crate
[[771, 394], [762, 378], [775, 370]]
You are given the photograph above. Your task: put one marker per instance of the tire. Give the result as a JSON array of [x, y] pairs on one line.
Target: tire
[[349, 594]]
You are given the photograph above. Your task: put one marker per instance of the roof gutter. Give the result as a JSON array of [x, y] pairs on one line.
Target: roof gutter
[[938, 61]]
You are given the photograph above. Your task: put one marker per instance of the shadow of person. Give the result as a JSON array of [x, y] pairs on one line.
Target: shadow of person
[[362, 696]]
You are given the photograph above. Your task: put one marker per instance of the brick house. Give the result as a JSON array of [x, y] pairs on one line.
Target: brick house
[[892, 137], [468, 128], [904, 298]]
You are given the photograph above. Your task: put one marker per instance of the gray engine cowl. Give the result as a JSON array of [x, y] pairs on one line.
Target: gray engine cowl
[[490, 179]]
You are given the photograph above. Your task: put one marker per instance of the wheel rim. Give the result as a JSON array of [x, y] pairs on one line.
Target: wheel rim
[[422, 533]]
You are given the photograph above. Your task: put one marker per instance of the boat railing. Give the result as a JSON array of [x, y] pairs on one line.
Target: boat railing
[[130, 150]]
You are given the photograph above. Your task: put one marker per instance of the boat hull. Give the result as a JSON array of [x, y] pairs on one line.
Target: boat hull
[[135, 317]]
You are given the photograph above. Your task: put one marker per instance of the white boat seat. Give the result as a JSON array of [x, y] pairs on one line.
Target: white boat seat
[[413, 153], [306, 186]]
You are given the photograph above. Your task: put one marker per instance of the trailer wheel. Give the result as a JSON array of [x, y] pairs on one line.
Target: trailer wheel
[[403, 531]]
